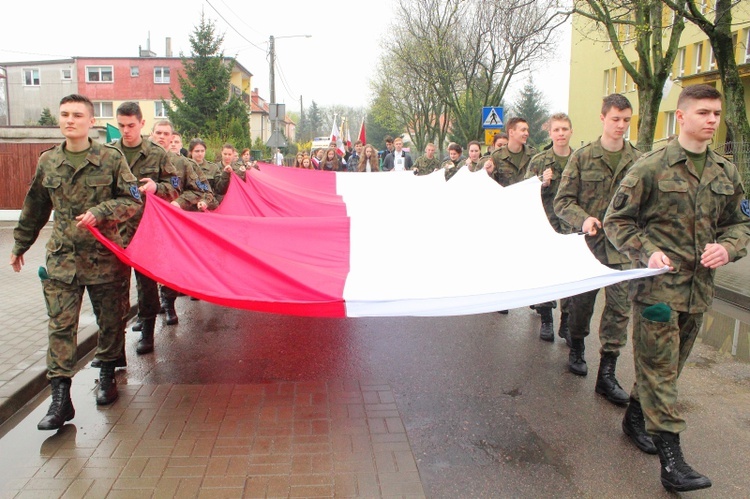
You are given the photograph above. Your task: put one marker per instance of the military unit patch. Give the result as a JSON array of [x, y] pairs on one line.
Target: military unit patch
[[135, 192], [745, 207], [175, 181]]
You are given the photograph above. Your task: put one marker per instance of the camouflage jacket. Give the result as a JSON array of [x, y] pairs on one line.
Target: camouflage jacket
[[662, 205], [452, 167], [537, 166], [586, 188], [424, 165], [506, 173], [192, 182], [152, 161], [104, 185], [222, 184], [213, 174]]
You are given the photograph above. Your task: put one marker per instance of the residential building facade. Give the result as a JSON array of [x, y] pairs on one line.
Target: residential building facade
[[596, 71]]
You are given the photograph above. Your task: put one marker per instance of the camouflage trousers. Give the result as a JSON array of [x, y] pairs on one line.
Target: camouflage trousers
[[613, 328], [110, 302], [148, 296], [168, 294], [660, 350]]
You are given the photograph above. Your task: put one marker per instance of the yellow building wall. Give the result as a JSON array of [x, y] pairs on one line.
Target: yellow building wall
[[592, 55]]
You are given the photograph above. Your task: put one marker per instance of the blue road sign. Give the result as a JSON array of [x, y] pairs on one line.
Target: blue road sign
[[492, 118]]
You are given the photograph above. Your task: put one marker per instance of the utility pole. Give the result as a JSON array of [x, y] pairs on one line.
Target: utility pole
[[272, 65]]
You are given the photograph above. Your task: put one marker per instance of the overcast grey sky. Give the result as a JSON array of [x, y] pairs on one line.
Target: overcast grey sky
[[332, 67]]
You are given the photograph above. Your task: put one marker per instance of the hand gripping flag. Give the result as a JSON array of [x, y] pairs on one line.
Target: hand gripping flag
[[333, 244]]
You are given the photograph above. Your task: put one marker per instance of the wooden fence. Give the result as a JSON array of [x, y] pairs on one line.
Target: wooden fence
[[17, 166]]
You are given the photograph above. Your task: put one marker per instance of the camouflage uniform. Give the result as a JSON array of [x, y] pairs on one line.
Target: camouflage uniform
[[506, 172], [192, 182], [222, 184], [425, 165], [538, 164], [662, 205], [588, 184], [152, 161], [104, 185], [212, 172], [451, 167]]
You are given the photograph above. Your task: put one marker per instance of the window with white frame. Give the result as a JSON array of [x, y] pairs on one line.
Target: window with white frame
[[670, 127], [698, 49], [747, 46], [613, 80], [711, 59], [624, 80], [704, 6], [103, 109], [606, 81], [681, 55], [100, 74], [134, 71], [161, 74], [66, 74], [31, 77], [160, 110]]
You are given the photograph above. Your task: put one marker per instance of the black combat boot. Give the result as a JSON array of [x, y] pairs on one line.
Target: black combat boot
[[107, 391], [61, 409], [676, 474], [564, 331], [634, 426], [146, 343], [606, 383], [576, 362], [171, 313], [547, 331], [138, 326]]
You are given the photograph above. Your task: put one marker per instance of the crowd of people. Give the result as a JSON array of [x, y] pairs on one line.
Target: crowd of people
[[678, 207]]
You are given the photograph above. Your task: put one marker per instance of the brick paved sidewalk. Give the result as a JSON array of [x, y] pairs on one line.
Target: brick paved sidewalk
[[23, 325], [341, 438]]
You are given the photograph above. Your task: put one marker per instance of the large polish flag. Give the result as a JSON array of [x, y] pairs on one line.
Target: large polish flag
[[337, 244]]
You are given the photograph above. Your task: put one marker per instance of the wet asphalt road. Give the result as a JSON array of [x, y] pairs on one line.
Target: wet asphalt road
[[490, 410]]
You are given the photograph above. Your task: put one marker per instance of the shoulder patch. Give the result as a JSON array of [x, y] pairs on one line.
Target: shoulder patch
[[135, 192], [745, 207]]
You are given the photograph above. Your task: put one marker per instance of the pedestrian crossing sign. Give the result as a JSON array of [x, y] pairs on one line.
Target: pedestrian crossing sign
[[492, 118]]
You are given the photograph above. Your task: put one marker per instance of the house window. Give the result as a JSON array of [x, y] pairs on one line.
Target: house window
[[31, 77], [103, 109], [606, 81], [97, 74], [613, 80], [704, 6], [624, 80], [698, 57], [161, 75], [160, 110], [671, 125], [681, 55], [134, 71], [747, 46], [66, 74], [711, 59]]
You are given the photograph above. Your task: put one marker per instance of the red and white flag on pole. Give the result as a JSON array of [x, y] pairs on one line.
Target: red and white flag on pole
[[362, 135], [336, 138]]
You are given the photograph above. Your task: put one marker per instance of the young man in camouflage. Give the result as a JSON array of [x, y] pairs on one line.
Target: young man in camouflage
[[454, 161], [682, 206], [549, 165], [195, 194], [508, 164], [150, 164], [424, 165], [587, 185], [87, 184]]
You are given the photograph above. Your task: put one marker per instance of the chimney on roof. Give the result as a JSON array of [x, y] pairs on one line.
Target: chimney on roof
[[169, 47]]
